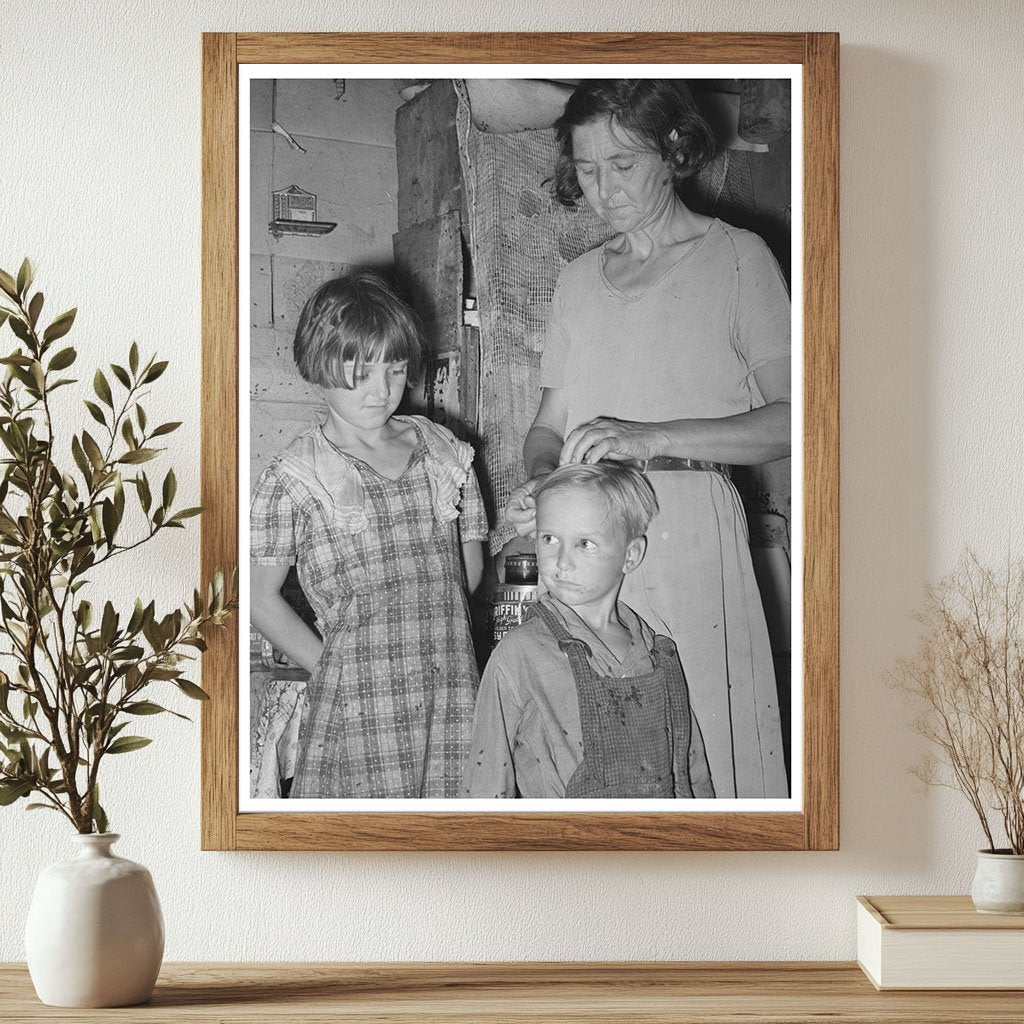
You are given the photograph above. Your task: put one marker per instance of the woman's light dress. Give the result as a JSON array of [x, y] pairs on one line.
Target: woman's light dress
[[687, 347]]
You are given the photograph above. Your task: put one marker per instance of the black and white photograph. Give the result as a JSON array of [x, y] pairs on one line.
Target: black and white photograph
[[518, 453]]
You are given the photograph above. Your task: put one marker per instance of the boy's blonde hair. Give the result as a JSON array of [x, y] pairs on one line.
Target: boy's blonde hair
[[627, 493], [357, 318]]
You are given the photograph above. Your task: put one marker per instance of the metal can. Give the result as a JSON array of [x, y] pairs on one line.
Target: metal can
[[521, 569], [509, 603]]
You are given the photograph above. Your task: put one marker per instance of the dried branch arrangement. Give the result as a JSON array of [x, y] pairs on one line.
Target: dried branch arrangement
[[79, 670], [967, 678]]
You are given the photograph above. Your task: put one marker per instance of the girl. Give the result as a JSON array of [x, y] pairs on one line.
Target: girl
[[383, 518]]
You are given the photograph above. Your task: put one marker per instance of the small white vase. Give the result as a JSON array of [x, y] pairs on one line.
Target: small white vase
[[95, 933], [999, 882]]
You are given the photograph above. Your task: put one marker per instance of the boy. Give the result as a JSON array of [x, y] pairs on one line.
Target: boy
[[583, 700]]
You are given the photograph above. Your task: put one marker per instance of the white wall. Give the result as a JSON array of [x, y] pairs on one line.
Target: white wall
[[99, 165]]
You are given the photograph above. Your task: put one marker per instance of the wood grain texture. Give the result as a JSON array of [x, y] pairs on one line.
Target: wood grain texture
[[821, 441], [219, 429], [442, 831], [521, 47], [953, 913], [793, 993], [817, 827]]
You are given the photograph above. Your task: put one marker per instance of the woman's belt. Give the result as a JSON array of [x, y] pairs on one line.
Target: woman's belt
[[665, 463]]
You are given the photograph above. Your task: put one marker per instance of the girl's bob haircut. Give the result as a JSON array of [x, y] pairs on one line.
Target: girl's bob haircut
[[658, 112], [357, 318], [626, 492]]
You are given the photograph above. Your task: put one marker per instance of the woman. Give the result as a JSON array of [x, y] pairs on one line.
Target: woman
[[670, 344]]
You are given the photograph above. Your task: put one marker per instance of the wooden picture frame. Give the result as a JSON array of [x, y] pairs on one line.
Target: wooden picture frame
[[813, 827]]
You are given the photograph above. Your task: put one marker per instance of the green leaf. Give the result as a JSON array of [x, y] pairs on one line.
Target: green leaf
[[191, 690], [130, 653], [102, 388], [12, 733], [20, 328], [125, 744], [121, 374], [108, 626], [145, 497], [26, 274], [128, 433], [119, 498], [96, 711], [109, 521], [34, 308], [92, 449], [170, 488], [140, 415], [138, 455], [99, 816], [169, 674], [60, 326], [143, 707], [41, 807], [8, 285], [135, 622], [81, 461], [83, 613], [133, 358], [165, 428], [185, 513], [95, 412], [154, 372], [14, 790], [63, 359]]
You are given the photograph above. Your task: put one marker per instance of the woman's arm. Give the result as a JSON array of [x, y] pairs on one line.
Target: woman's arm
[[541, 450], [277, 621], [544, 438], [746, 439]]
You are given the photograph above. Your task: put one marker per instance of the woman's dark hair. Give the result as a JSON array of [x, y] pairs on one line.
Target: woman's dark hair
[[657, 111], [356, 318]]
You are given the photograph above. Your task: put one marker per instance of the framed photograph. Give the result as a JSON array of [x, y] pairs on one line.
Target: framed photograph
[[435, 267]]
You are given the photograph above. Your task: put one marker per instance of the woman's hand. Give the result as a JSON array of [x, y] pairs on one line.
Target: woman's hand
[[606, 438], [521, 508]]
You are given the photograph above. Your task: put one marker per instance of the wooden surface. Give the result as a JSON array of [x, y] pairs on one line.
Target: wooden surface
[[821, 440], [793, 993], [219, 430], [816, 827], [936, 912]]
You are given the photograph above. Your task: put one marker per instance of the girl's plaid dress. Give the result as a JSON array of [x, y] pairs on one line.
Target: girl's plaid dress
[[390, 703]]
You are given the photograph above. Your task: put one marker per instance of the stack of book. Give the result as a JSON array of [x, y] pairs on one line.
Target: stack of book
[[906, 942]]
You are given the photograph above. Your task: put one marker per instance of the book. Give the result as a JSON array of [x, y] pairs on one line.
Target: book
[[938, 942]]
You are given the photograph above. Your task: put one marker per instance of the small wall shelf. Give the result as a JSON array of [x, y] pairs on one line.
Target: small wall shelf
[[301, 227]]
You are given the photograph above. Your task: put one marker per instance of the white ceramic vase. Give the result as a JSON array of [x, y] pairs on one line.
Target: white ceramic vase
[[95, 933], [999, 882]]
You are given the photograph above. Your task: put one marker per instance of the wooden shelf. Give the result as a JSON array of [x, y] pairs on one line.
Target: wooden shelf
[[659, 993]]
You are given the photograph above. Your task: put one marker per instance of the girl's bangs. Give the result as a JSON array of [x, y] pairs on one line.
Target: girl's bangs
[[383, 348]]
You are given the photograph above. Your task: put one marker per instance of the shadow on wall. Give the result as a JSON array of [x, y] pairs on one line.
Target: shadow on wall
[[888, 273]]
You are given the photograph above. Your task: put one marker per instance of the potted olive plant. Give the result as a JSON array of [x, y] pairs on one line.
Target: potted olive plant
[[967, 682], [78, 671]]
